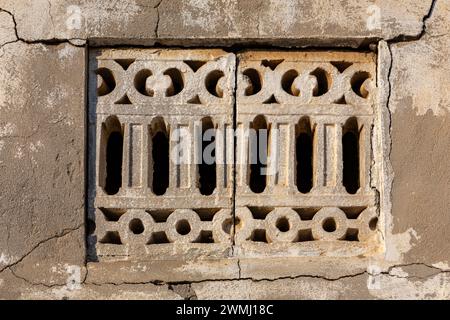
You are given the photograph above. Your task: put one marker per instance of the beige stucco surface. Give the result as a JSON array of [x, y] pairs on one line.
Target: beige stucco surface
[[43, 58]]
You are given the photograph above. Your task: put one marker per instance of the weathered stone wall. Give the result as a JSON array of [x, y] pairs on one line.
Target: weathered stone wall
[[43, 143]]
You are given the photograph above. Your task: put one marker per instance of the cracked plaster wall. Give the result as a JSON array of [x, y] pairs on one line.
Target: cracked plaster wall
[[42, 137]]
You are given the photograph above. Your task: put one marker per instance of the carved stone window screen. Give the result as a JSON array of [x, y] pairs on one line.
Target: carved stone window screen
[[319, 111]]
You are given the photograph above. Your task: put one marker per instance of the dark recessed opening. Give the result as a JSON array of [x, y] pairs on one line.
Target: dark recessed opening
[[352, 212], [272, 64], [373, 223], [259, 235], [254, 81], [305, 235], [212, 81], [323, 82], [329, 225], [287, 82], [258, 145], [136, 226], [195, 64], [271, 100], [140, 80], [177, 82], [111, 237], [227, 224], [260, 213], [350, 152], [158, 238], [207, 165], [206, 237], [183, 227], [304, 154], [351, 235], [206, 214], [108, 82], [123, 100], [306, 213], [195, 100], [160, 215], [341, 100], [357, 82], [114, 149], [341, 65], [112, 214], [124, 63], [160, 155], [283, 224]]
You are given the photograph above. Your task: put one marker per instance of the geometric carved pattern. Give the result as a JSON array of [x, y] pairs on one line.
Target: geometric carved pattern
[[317, 109], [329, 90]]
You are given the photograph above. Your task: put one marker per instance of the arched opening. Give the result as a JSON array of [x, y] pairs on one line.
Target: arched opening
[[160, 156], [350, 152], [304, 155], [258, 144], [207, 166], [111, 162]]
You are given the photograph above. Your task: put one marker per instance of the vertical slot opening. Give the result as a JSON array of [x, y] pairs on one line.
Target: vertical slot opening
[[207, 166], [258, 145], [304, 155], [112, 160], [350, 151], [160, 156]]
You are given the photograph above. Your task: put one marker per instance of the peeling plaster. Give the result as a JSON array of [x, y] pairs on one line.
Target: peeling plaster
[[67, 52], [6, 259], [436, 287], [399, 244]]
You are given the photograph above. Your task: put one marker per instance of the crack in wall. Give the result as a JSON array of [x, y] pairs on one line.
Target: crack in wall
[[63, 233], [34, 283], [234, 172], [175, 286], [54, 41], [82, 42], [185, 289], [387, 272], [406, 38], [157, 18], [426, 17], [391, 63]]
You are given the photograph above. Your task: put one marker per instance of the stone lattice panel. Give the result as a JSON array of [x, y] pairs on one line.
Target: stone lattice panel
[[322, 95], [315, 100], [136, 95]]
